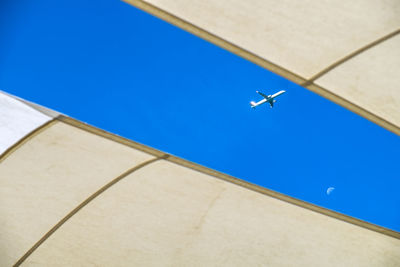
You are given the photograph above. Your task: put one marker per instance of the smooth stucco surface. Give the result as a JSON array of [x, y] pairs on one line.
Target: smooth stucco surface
[[165, 214], [48, 176], [371, 79], [304, 41]]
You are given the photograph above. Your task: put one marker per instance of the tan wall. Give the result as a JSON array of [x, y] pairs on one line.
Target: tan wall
[[168, 215], [50, 175], [380, 91], [58, 197]]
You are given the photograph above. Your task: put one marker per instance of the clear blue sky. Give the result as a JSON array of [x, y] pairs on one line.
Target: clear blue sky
[[120, 69]]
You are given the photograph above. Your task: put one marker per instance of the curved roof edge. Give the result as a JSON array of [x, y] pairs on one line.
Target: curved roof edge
[[17, 120], [228, 178], [307, 83], [46, 111]]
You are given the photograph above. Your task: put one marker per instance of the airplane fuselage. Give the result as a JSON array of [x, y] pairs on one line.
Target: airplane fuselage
[[267, 99]]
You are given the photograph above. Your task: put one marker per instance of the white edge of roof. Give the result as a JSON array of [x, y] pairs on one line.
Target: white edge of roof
[[48, 112], [18, 118]]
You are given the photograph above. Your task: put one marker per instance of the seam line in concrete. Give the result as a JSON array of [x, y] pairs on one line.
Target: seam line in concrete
[[110, 136], [214, 39], [234, 180], [319, 90], [189, 27], [285, 198], [26, 138], [350, 56], [83, 204]]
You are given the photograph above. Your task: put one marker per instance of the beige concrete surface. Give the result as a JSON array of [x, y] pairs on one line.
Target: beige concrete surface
[[168, 215], [75, 195], [301, 41], [371, 79], [48, 176]]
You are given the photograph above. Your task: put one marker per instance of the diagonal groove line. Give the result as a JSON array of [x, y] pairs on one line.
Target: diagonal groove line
[[354, 108], [350, 56], [214, 39], [113, 137], [261, 61], [25, 139], [231, 179], [239, 51], [83, 204], [283, 197]]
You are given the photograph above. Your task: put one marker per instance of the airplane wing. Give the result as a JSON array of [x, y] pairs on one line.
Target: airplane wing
[[263, 95]]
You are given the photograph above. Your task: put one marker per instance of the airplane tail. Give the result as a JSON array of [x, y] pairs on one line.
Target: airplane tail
[[253, 104]]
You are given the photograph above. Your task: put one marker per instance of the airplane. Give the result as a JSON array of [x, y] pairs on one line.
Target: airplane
[[267, 98]]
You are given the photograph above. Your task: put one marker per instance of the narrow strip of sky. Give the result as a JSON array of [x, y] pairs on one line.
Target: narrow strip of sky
[[129, 73]]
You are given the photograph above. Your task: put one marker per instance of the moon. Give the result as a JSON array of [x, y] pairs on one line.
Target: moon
[[329, 190]]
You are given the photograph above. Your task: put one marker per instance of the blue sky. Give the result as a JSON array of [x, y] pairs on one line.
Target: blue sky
[[127, 72]]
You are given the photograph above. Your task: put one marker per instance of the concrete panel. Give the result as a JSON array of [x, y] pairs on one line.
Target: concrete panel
[[50, 175], [303, 37], [370, 80], [168, 215], [17, 120]]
